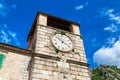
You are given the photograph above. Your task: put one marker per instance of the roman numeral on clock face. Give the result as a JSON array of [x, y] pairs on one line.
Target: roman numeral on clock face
[[62, 42]]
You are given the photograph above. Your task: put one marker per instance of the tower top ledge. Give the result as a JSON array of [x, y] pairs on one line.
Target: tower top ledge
[[66, 22]]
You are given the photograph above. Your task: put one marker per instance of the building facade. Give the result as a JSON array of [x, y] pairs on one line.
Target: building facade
[[55, 52]]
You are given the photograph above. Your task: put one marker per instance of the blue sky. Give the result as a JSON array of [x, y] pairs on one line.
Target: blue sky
[[99, 19]]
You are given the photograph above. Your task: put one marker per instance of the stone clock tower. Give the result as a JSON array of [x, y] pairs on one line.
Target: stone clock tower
[[58, 51]]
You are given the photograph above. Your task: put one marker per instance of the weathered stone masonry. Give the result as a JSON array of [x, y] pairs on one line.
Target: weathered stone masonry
[[15, 64], [48, 69], [40, 61]]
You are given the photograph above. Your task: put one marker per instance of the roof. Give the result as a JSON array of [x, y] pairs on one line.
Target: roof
[[14, 48], [53, 17]]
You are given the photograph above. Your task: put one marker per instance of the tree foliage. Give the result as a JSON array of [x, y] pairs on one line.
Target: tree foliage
[[105, 72]]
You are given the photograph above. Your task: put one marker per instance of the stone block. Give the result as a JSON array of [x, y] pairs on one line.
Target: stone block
[[79, 77], [43, 76], [63, 65], [42, 20]]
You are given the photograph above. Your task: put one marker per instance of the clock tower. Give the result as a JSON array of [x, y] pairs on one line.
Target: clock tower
[[58, 51]]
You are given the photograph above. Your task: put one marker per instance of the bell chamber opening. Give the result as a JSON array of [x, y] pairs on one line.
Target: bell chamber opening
[[59, 23]]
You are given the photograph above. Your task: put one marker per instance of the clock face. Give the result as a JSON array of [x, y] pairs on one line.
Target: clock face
[[62, 42]]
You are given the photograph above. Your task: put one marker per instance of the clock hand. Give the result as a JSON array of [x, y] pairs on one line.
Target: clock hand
[[66, 44], [62, 41], [59, 39]]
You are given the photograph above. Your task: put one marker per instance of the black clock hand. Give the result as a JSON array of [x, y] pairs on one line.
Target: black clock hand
[[63, 41], [66, 44], [59, 39]]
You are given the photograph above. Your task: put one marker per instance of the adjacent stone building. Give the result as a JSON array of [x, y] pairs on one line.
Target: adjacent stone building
[[55, 52]]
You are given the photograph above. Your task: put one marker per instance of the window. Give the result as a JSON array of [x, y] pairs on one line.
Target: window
[[1, 59]]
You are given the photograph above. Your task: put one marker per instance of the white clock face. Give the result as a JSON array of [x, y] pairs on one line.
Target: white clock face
[[62, 42]]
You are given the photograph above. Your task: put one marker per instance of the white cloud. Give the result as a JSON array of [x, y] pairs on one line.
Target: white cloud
[[110, 41], [81, 6], [115, 18], [4, 8], [112, 16], [14, 36], [4, 37], [8, 36], [112, 28], [108, 55]]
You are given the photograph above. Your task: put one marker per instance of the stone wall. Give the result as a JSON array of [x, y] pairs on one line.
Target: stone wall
[[47, 69], [15, 66], [44, 45]]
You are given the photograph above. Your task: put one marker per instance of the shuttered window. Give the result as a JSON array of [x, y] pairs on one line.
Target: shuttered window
[[1, 59]]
